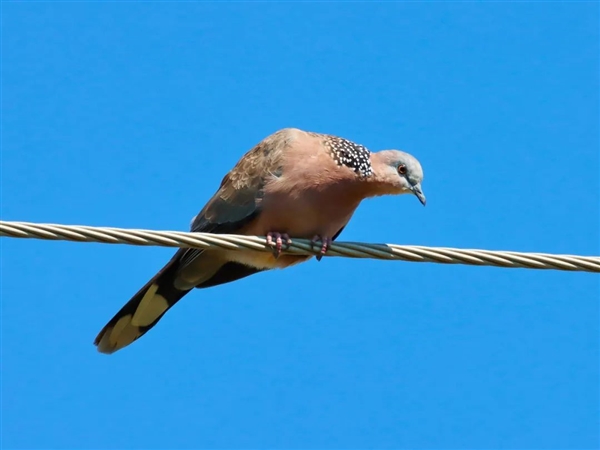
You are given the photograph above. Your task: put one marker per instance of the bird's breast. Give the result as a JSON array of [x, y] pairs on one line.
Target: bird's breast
[[301, 208]]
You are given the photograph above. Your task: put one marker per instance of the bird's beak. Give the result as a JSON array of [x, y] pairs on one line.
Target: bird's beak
[[416, 189]]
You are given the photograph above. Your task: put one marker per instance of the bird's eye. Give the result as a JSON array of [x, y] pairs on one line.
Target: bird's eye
[[401, 169]]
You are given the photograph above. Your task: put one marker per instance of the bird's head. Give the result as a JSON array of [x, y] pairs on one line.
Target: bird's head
[[398, 172]]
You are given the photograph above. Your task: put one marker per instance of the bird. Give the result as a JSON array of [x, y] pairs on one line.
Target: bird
[[292, 184]]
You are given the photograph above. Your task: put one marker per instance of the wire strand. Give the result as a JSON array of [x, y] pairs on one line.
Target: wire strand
[[413, 253]]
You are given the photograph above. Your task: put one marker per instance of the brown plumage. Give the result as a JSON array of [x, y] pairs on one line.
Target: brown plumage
[[292, 184]]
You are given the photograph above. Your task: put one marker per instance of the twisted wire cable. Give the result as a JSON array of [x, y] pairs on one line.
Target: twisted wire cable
[[413, 253]]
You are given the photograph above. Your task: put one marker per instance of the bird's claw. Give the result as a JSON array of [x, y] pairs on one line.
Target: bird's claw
[[325, 244], [277, 240]]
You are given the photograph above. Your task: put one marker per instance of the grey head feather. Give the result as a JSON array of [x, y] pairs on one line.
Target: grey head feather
[[408, 169]]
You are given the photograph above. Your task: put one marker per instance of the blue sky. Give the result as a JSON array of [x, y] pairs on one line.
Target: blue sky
[[129, 114]]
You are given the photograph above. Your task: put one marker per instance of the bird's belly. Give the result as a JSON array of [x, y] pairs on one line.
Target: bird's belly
[[300, 214], [303, 217], [298, 219], [264, 260]]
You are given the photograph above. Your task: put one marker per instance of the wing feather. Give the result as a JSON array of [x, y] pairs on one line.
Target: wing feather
[[239, 197]]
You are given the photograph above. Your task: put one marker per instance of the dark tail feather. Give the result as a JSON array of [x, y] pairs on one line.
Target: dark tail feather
[[143, 311], [152, 301]]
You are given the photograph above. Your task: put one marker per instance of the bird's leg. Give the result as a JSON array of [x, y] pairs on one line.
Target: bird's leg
[[277, 244], [325, 243]]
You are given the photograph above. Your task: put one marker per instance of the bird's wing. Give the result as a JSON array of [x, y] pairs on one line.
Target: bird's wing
[[239, 198], [236, 203]]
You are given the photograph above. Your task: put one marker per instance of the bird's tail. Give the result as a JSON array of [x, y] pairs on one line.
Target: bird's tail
[[143, 311]]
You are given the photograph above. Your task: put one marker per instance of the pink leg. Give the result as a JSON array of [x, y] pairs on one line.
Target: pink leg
[[277, 244], [325, 244]]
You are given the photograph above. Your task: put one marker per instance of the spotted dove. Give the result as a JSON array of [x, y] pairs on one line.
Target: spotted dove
[[292, 184]]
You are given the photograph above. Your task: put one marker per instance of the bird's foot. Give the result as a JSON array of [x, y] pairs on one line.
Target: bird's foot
[[277, 240], [325, 244]]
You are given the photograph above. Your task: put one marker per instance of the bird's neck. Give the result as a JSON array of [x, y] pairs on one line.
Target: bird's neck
[[382, 181]]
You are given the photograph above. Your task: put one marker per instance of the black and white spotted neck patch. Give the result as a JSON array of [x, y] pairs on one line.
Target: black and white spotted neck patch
[[347, 153]]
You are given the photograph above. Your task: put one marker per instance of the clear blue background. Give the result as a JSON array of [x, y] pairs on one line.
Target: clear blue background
[[129, 114]]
